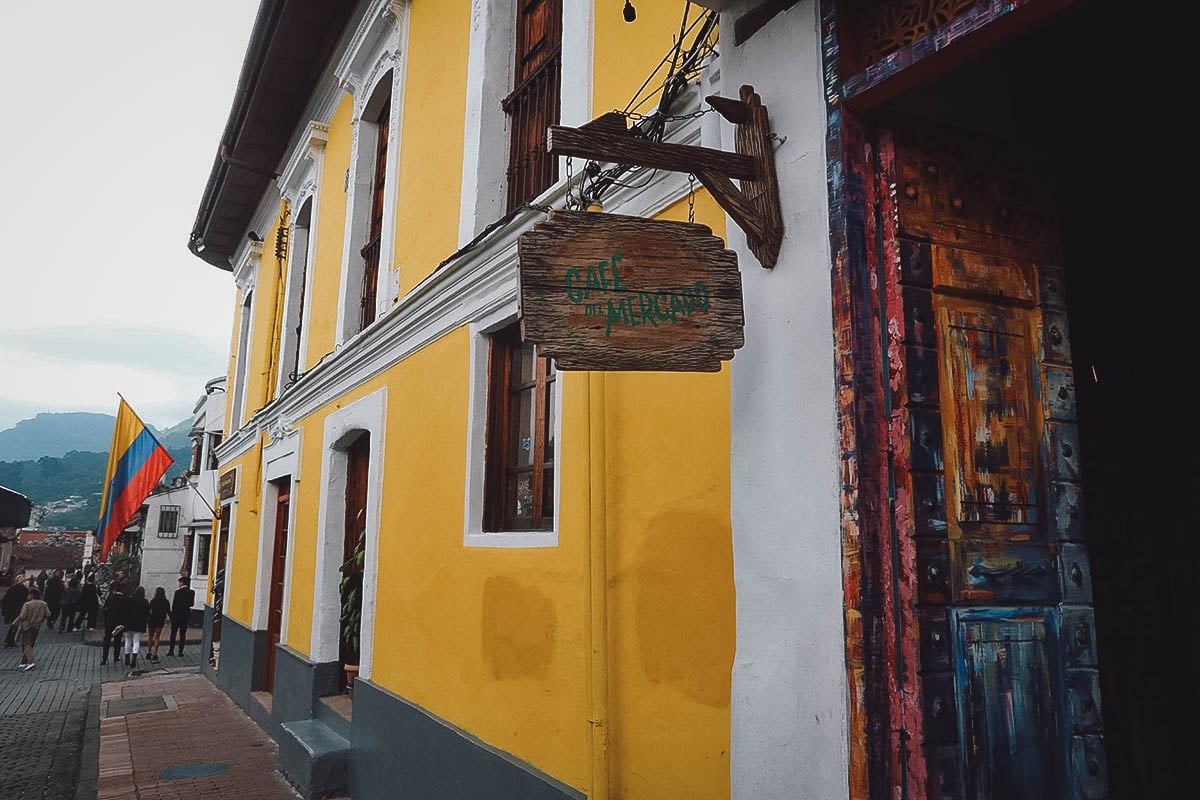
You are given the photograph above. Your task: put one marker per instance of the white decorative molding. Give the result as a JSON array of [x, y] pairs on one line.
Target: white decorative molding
[[245, 265], [297, 174], [278, 429], [364, 44], [368, 414], [483, 195], [375, 51]]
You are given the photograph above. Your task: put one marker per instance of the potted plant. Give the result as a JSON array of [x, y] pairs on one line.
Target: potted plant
[[350, 621]]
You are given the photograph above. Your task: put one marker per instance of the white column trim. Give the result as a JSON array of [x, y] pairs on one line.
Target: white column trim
[[367, 414]]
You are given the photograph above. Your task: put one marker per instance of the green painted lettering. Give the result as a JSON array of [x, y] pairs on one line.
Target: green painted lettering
[[614, 315], [702, 295], [592, 281], [574, 293], [646, 303], [618, 284]]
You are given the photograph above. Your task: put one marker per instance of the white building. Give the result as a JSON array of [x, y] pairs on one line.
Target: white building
[[179, 517]]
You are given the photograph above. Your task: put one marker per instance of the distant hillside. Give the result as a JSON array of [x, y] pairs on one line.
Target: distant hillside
[[65, 488], [55, 435]]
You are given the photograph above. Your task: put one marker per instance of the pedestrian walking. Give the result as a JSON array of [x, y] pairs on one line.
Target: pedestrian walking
[[114, 612], [41, 581], [135, 620], [160, 608], [70, 606], [29, 623], [89, 602], [14, 599], [181, 614], [53, 595]]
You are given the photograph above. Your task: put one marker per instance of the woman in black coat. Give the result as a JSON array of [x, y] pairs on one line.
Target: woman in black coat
[[14, 599], [160, 607], [89, 602], [135, 618]]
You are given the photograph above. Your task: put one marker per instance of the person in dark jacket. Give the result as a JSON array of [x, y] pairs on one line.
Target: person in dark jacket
[[114, 610], [135, 619], [41, 580], [160, 607], [53, 595], [70, 606], [181, 614], [14, 599], [89, 602]]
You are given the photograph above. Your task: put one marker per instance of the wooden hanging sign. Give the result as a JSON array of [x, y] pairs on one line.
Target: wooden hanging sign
[[611, 292]]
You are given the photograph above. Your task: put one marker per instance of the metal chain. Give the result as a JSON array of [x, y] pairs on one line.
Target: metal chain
[[569, 177], [635, 116], [691, 197]]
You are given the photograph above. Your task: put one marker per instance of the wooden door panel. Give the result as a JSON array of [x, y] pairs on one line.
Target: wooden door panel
[[979, 362], [1008, 715]]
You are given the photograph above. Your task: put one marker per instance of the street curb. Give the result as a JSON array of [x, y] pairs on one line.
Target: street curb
[[89, 754]]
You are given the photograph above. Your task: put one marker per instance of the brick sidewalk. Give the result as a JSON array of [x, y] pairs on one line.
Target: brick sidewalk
[[164, 721]]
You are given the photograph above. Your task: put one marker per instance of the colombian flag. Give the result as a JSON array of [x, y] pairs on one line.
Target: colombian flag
[[136, 462]]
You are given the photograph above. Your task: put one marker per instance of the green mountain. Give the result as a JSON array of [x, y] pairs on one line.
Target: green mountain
[[65, 484], [56, 435]]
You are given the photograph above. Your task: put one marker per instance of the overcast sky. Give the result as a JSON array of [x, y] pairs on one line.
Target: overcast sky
[[111, 117]]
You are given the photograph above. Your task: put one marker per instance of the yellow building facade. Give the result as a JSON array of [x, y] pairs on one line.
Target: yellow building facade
[[587, 653]]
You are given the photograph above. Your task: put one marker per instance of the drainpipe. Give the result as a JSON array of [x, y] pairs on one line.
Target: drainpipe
[[597, 630]]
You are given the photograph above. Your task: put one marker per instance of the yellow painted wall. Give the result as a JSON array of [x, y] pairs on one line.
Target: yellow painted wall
[[260, 378], [431, 144], [330, 237], [671, 558], [240, 579], [490, 639], [625, 53]]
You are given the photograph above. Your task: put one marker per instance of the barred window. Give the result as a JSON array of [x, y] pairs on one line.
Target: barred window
[[168, 522]]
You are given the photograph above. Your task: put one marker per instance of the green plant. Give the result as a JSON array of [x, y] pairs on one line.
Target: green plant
[[351, 595]]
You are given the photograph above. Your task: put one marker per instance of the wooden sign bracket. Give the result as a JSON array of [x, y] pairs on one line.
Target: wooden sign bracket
[[754, 206]]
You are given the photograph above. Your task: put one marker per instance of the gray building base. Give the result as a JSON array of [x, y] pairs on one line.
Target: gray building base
[[390, 749]]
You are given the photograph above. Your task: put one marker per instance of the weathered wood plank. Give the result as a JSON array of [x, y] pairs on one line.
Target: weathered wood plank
[[620, 148], [610, 292]]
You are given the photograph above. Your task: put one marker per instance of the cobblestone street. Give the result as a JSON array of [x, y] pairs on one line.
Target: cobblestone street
[[44, 714]]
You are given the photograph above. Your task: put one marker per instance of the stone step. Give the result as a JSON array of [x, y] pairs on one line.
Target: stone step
[[335, 711], [315, 758]]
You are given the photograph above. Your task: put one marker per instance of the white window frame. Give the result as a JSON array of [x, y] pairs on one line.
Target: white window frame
[[245, 276], [342, 427], [375, 53], [300, 183], [473, 533], [280, 460], [490, 66]]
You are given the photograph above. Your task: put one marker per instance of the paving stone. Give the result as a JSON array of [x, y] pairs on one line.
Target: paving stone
[[43, 712]]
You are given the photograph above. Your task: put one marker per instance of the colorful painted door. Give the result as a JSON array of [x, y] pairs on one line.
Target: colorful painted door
[[989, 471]]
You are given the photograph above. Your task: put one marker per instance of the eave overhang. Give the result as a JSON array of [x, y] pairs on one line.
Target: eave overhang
[[289, 47]]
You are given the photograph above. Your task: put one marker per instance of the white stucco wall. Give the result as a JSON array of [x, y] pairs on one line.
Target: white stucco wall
[[789, 703]]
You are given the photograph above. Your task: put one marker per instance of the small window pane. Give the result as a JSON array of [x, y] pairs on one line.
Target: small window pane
[[524, 495], [522, 365], [525, 428], [548, 495]]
